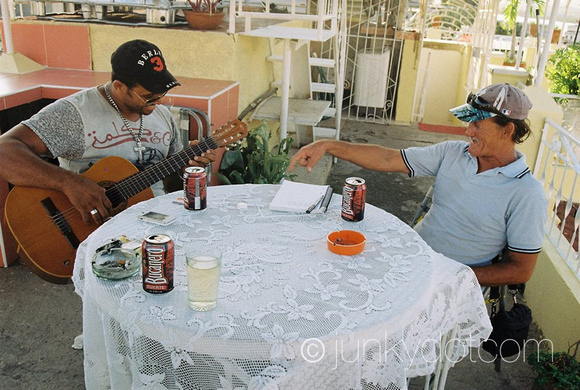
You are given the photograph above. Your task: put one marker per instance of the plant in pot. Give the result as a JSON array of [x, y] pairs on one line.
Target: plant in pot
[[254, 161], [557, 370], [204, 14], [508, 61]]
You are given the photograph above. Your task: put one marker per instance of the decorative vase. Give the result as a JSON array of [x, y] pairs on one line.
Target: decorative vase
[[203, 20]]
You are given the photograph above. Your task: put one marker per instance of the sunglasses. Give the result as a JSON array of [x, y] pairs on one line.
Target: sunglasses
[[478, 103], [148, 101]]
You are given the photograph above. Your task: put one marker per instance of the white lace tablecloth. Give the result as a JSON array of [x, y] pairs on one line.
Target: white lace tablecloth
[[290, 315]]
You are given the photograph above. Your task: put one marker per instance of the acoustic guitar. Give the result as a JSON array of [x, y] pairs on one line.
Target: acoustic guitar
[[48, 229]]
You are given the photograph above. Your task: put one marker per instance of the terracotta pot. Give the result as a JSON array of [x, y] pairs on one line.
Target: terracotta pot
[[436, 21], [203, 20], [513, 64], [555, 33], [556, 36]]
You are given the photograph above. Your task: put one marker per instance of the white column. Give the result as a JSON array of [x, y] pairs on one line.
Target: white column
[[547, 37], [523, 34], [285, 88], [6, 24]]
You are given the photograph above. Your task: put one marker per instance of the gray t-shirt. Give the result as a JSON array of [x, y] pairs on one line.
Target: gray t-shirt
[[475, 215], [83, 128]]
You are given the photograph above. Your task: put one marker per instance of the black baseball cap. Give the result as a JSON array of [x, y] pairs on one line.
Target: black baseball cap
[[143, 62]]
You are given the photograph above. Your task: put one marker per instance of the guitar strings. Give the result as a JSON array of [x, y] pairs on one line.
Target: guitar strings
[[130, 186], [116, 195], [71, 216], [133, 185]]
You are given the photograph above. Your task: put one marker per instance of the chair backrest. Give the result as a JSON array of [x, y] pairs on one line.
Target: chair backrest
[[423, 208]]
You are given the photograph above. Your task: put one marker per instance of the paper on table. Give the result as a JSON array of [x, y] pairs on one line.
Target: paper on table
[[299, 197]]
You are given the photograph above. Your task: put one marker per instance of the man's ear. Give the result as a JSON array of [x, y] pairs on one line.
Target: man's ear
[[508, 130]]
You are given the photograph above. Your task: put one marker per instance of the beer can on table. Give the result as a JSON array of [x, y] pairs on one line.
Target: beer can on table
[[353, 199], [195, 188], [158, 263]]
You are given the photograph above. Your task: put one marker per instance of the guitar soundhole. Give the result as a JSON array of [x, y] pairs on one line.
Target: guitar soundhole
[[122, 206]]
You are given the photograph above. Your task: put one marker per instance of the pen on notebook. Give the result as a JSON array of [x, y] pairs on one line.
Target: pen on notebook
[[313, 205]]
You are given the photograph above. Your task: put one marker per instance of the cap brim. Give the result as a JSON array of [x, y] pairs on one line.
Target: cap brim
[[159, 84], [468, 113]]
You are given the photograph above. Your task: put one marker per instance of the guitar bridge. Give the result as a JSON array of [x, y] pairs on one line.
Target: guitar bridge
[[60, 222]]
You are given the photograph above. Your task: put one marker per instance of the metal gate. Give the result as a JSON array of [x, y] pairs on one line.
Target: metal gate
[[373, 57]]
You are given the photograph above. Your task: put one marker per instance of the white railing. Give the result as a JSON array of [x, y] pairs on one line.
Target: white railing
[[324, 17], [557, 167]]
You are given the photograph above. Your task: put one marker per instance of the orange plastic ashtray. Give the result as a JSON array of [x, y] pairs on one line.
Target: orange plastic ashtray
[[346, 242]]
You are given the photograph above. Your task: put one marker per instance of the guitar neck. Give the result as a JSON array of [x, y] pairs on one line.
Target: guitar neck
[[139, 181]]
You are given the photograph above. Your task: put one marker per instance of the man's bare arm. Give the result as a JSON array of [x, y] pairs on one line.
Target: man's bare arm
[[515, 269], [375, 157], [20, 164]]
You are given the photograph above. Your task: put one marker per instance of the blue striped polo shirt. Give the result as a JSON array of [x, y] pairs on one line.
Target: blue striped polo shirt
[[475, 215]]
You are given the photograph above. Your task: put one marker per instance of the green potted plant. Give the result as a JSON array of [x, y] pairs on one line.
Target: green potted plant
[[557, 370], [507, 61], [254, 161], [204, 14]]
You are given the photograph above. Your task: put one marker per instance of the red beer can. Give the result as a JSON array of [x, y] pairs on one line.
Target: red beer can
[[353, 199], [158, 263], [195, 188]]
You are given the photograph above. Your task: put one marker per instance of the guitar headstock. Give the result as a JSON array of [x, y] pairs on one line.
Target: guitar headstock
[[234, 145], [230, 132]]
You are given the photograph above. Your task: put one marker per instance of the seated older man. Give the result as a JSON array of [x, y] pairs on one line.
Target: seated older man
[[485, 197]]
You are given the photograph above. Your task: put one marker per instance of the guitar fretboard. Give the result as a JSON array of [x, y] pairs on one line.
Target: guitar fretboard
[[139, 181]]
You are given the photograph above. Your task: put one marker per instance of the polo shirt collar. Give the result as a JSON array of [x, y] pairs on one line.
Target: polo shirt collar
[[515, 170]]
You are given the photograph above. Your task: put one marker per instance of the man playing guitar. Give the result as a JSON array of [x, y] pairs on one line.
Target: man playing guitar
[[122, 118]]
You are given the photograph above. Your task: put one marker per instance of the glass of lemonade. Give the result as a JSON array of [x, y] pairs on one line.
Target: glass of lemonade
[[203, 276]]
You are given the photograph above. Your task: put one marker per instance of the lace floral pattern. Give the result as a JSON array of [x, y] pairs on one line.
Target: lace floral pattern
[[290, 314]]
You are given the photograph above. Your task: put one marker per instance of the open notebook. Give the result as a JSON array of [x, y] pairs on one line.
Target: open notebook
[[296, 197]]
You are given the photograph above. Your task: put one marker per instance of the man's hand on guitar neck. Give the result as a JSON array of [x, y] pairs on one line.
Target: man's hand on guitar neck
[[204, 159], [87, 196]]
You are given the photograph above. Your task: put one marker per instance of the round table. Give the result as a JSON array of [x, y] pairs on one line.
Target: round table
[[290, 314]]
